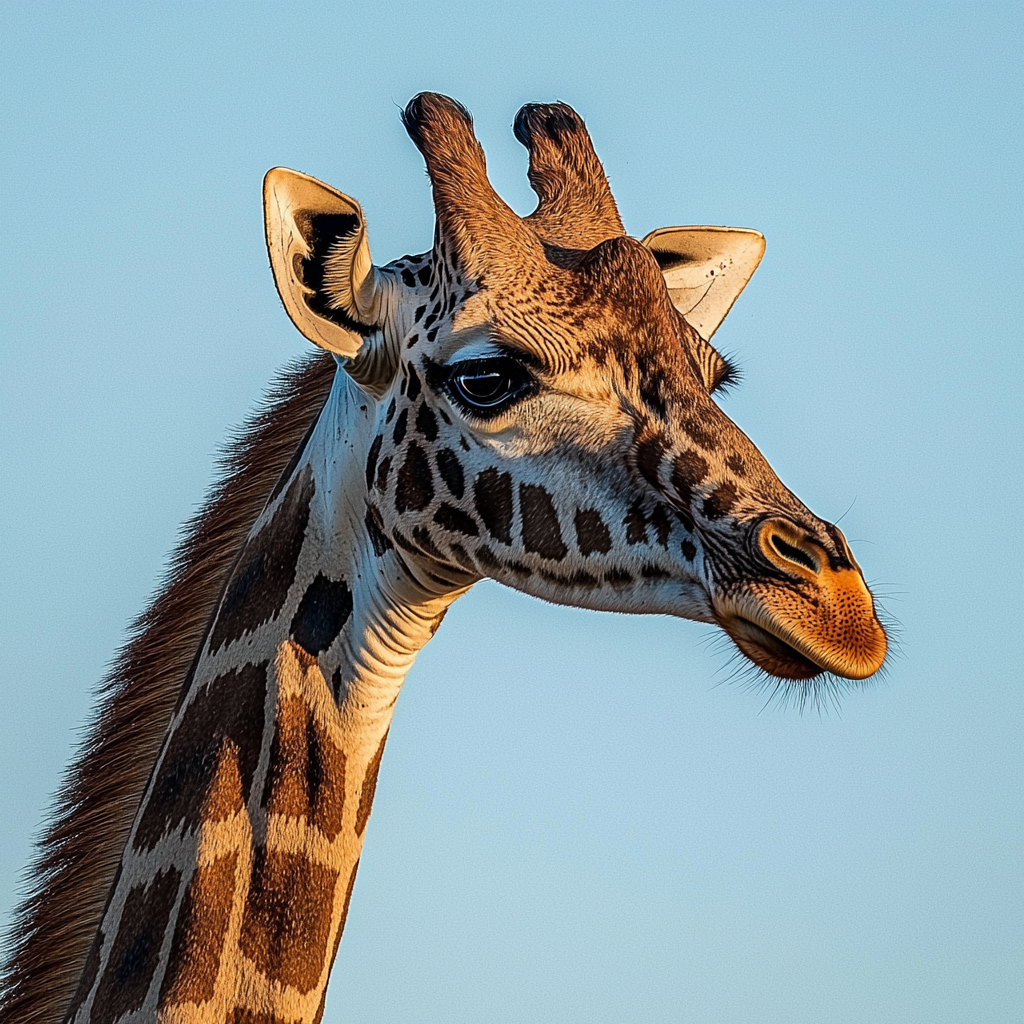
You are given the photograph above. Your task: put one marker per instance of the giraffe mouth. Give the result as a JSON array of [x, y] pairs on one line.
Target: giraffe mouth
[[792, 638], [770, 652]]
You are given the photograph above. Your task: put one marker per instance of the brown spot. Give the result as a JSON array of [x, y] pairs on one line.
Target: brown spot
[[662, 524], [650, 571], [688, 470], [136, 950], [306, 774], [541, 532], [322, 613], [369, 787], [636, 524], [698, 432], [689, 550], [649, 454], [371, 460], [230, 706], [455, 520], [415, 487], [198, 944], [259, 585], [591, 532], [287, 922], [618, 577], [426, 422], [375, 531], [382, 473], [337, 938], [720, 501], [401, 425], [492, 494], [737, 465], [414, 384], [450, 468]]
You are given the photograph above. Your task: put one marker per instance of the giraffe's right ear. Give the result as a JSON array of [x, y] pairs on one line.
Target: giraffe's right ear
[[705, 269], [316, 237]]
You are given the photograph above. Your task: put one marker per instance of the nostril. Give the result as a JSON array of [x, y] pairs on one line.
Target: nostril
[[794, 554]]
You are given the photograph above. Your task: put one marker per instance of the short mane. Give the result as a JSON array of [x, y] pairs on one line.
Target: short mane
[[79, 851]]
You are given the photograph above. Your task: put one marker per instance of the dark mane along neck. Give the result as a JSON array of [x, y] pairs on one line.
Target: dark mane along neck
[[80, 849]]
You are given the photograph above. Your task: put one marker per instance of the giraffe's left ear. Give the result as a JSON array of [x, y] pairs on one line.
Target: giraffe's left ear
[[316, 238], [705, 269]]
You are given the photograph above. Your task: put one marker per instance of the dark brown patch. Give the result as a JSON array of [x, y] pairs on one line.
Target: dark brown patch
[[736, 464], [287, 922], [401, 425], [455, 520], [492, 494], [198, 943], [369, 787], [541, 532], [574, 579], [306, 774], [266, 570], [650, 571], [382, 473], [636, 524], [688, 470], [426, 422], [689, 550], [415, 487], [229, 707], [391, 411], [488, 559], [591, 532], [649, 454], [375, 529], [450, 468], [414, 388], [662, 524], [720, 501], [618, 577], [371, 460], [322, 614], [136, 950], [698, 432]]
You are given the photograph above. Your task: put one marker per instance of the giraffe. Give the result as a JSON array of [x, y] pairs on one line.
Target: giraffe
[[532, 400]]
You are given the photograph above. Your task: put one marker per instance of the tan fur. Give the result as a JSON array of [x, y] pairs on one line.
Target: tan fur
[[80, 850]]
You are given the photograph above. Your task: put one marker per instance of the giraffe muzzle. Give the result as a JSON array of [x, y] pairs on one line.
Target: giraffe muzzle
[[819, 617]]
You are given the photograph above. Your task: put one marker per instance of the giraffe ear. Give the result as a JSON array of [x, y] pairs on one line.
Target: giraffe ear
[[705, 269], [316, 238]]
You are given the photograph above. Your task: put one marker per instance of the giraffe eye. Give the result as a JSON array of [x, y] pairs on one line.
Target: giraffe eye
[[487, 387]]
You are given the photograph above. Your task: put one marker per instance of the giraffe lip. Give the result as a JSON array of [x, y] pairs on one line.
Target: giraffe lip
[[770, 652]]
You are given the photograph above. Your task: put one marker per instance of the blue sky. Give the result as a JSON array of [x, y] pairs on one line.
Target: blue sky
[[575, 819]]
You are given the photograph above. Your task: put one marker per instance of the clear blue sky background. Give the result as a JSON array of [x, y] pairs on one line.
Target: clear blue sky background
[[575, 822]]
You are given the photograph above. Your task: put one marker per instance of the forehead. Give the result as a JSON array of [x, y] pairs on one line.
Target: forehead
[[565, 309]]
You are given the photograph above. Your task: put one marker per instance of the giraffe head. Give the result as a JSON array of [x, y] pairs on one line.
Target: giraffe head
[[545, 410]]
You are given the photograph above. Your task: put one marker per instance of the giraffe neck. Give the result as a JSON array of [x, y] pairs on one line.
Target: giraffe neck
[[234, 885]]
